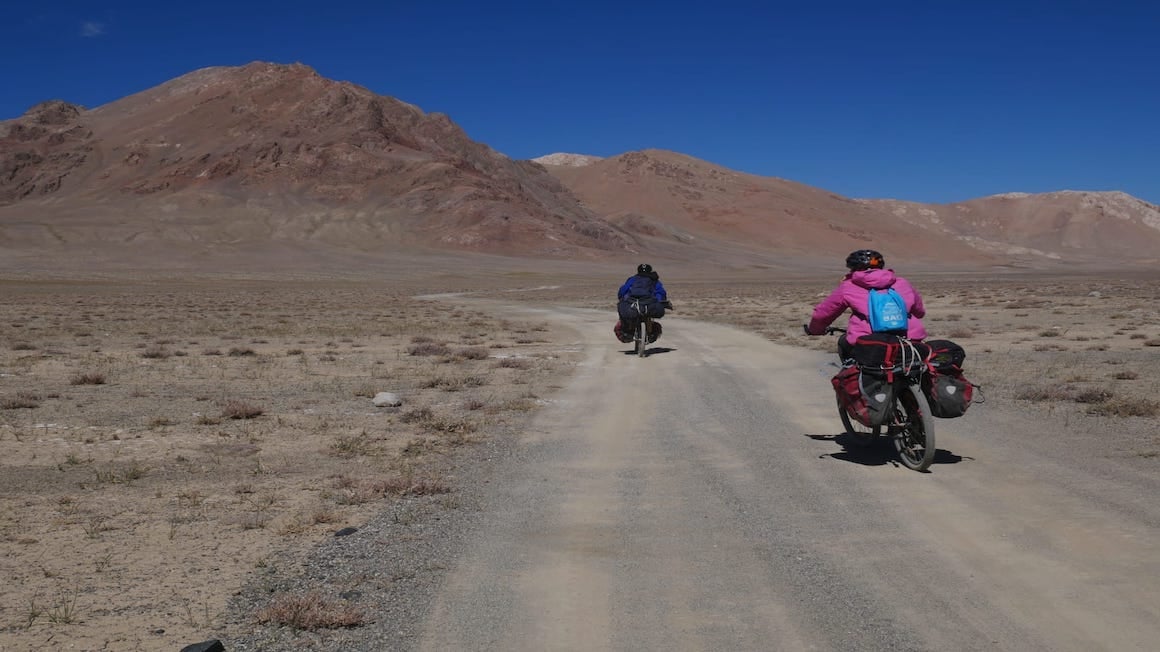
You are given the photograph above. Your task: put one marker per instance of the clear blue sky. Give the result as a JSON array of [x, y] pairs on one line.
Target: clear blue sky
[[930, 101]]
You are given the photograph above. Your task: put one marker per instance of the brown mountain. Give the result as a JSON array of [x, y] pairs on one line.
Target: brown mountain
[[272, 166], [677, 202], [1096, 228], [689, 208], [267, 154]]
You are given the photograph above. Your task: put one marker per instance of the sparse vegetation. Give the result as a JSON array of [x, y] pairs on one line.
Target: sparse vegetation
[[150, 452], [238, 409], [310, 611], [90, 378]]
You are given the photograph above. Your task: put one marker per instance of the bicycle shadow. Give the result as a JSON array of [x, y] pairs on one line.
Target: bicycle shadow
[[879, 452], [651, 350]]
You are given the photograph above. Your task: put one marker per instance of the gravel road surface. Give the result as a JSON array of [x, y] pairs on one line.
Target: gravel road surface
[[702, 499]]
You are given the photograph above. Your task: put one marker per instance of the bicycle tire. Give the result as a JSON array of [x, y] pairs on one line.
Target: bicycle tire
[[914, 434], [641, 337]]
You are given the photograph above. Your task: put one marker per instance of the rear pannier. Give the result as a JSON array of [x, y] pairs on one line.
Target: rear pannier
[[867, 398], [947, 390]]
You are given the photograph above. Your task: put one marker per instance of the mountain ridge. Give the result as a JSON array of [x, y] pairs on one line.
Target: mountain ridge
[[274, 157]]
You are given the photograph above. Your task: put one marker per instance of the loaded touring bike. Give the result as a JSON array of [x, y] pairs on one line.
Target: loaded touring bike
[[887, 400]]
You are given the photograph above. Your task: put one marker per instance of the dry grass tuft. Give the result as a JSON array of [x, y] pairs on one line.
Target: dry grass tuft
[[429, 348], [237, 409], [20, 400], [156, 352], [1127, 407], [408, 486], [91, 378], [471, 353], [310, 611]]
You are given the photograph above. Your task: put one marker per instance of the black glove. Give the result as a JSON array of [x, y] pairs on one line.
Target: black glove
[[806, 329]]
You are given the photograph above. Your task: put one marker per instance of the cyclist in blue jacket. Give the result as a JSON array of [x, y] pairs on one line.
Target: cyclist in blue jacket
[[642, 295]]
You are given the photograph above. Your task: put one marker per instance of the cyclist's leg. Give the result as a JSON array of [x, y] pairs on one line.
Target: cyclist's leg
[[845, 349]]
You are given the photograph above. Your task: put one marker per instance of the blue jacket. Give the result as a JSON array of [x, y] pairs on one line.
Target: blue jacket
[[658, 289]]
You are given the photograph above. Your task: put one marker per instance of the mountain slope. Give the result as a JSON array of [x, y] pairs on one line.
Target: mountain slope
[[1098, 228], [679, 203], [269, 152]]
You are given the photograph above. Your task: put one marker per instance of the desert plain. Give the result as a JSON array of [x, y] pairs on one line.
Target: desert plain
[[174, 449]]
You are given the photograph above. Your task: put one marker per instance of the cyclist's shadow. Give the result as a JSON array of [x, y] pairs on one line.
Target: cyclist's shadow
[[879, 452], [651, 350]]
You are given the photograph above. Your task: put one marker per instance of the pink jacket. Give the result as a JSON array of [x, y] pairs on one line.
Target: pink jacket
[[853, 293]]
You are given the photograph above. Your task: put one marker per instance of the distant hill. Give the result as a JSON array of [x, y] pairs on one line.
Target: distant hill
[[680, 205], [275, 153], [1065, 226], [269, 165]]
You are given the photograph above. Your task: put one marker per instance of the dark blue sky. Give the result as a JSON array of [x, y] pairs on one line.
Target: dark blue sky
[[929, 101]]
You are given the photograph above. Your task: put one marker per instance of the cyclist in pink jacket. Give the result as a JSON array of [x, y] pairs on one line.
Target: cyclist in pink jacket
[[867, 270]]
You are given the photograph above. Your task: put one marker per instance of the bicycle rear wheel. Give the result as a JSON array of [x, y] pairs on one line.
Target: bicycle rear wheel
[[856, 433], [913, 429], [641, 337]]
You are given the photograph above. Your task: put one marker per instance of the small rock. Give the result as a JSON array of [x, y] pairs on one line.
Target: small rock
[[1095, 293], [346, 531], [205, 646], [387, 399]]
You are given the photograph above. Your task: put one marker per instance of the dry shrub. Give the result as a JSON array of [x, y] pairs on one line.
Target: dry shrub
[[237, 351], [1127, 407], [1050, 332], [20, 400], [454, 383], [514, 363], [1092, 396], [471, 353], [310, 611], [237, 409], [91, 378], [418, 415], [1125, 375], [408, 486], [1152, 342], [1137, 336], [352, 446], [156, 352], [23, 346], [961, 334], [428, 348]]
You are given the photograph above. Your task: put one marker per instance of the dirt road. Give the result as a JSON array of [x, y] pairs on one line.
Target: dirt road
[[699, 500]]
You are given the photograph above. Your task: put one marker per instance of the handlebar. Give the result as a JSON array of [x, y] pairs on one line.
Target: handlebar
[[830, 330]]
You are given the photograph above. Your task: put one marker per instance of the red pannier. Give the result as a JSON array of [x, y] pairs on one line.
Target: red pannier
[[947, 390], [867, 398], [621, 334]]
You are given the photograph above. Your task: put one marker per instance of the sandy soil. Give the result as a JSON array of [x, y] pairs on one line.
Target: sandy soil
[[133, 503], [161, 442]]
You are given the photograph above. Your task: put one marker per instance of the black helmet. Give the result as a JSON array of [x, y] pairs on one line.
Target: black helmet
[[865, 259], [644, 268]]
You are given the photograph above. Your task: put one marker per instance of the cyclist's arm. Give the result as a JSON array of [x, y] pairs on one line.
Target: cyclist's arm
[[827, 311]]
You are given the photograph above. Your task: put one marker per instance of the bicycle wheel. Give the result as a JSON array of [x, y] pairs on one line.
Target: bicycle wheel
[[641, 337], [856, 433], [913, 429]]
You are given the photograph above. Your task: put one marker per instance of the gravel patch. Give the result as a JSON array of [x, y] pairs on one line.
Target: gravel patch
[[390, 568]]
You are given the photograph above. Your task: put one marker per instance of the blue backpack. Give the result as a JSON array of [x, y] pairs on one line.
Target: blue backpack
[[642, 287], [887, 312]]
